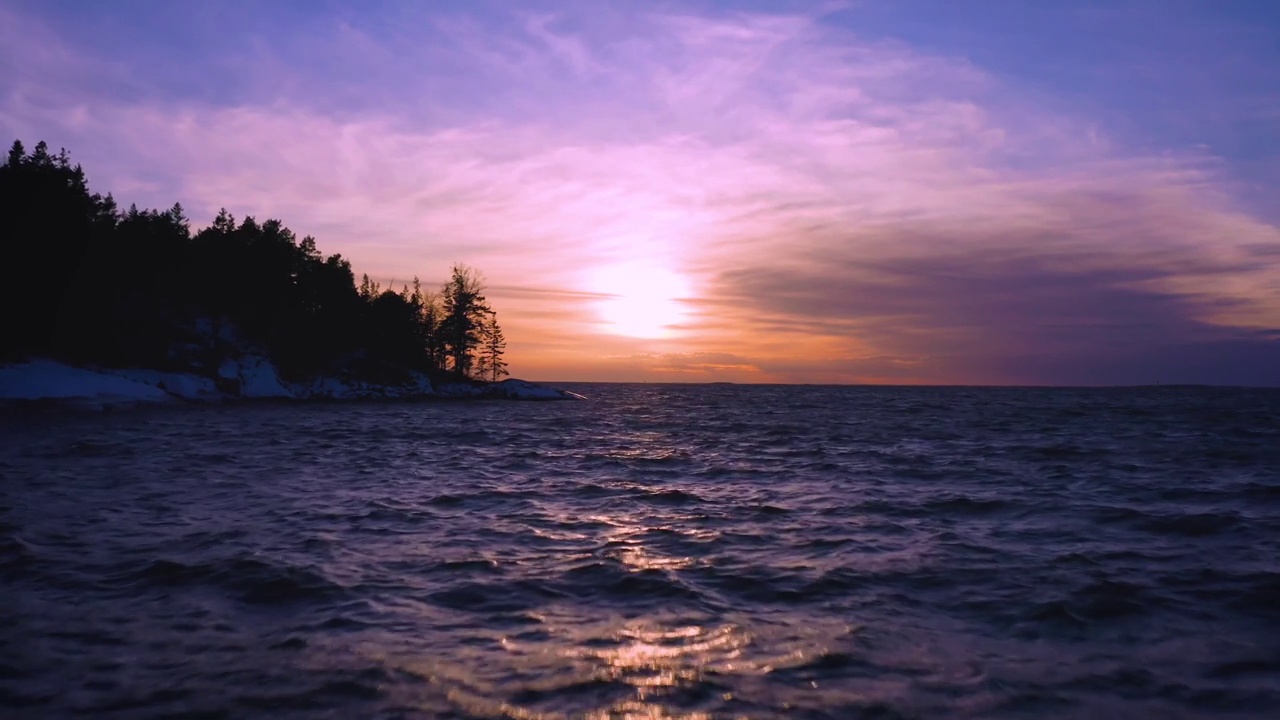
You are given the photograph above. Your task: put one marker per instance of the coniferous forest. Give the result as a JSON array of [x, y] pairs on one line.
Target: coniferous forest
[[89, 282]]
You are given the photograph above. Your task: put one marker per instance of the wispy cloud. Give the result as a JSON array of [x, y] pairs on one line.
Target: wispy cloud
[[845, 209]]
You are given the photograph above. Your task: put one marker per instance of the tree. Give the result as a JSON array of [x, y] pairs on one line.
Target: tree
[[431, 317], [492, 347], [16, 154], [464, 315], [178, 217], [96, 280], [41, 158], [224, 223], [49, 238], [310, 254]]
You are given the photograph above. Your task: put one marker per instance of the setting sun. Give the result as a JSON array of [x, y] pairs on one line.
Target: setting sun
[[640, 301]]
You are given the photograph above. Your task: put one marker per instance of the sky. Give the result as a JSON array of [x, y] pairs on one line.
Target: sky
[[875, 191]]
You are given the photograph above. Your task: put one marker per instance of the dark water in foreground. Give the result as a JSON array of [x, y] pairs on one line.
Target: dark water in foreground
[[660, 551]]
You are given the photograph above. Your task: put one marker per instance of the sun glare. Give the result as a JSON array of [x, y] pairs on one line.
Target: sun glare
[[640, 301]]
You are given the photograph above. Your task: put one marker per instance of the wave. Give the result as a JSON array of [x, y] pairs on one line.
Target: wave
[[248, 579], [662, 551]]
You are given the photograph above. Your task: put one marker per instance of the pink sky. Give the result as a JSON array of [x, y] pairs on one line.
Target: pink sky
[[700, 196]]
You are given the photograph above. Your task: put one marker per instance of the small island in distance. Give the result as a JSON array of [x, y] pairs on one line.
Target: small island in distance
[[131, 305]]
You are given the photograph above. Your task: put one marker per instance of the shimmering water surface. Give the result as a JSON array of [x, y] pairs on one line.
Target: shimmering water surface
[[659, 551]]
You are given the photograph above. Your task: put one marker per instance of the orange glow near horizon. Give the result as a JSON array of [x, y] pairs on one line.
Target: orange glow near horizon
[[707, 195]]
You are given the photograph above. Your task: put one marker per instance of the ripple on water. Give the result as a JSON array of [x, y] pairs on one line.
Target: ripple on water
[[661, 551]]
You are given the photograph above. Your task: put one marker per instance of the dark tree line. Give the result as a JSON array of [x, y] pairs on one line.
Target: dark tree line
[[88, 282]]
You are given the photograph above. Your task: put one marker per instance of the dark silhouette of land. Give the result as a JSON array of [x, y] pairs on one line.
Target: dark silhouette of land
[[88, 283]]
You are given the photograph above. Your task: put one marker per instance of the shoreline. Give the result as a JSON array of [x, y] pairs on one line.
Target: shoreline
[[250, 378]]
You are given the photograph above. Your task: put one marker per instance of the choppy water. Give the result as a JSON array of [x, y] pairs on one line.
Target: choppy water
[[660, 551]]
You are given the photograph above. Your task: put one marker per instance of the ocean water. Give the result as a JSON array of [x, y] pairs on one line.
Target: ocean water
[[657, 552]]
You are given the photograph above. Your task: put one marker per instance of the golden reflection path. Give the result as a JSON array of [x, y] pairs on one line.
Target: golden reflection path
[[657, 656], [612, 664]]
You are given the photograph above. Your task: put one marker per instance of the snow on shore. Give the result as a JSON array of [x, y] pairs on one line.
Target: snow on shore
[[256, 377], [49, 380], [249, 377], [523, 390]]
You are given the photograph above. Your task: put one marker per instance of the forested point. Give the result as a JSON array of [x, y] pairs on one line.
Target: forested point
[[91, 284]]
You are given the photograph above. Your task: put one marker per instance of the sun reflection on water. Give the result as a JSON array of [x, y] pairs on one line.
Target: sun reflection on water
[[643, 664], [641, 661], [657, 662], [650, 657], [626, 545]]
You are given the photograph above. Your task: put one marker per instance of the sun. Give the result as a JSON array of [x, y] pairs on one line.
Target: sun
[[640, 301]]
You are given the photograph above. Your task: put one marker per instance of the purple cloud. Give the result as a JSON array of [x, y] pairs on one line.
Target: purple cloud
[[842, 207]]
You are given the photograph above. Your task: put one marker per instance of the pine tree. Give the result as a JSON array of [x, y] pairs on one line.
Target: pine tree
[[225, 222], [308, 251], [111, 283], [432, 320], [17, 153], [106, 213], [178, 217], [41, 158], [464, 315], [493, 347]]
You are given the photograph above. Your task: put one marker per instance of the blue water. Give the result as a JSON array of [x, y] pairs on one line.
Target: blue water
[[657, 552]]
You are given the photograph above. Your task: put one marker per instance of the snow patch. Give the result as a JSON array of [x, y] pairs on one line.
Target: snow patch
[[251, 376], [257, 377], [182, 385], [229, 370], [51, 380], [524, 390]]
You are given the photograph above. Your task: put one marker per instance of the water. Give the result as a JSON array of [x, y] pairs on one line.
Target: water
[[660, 551]]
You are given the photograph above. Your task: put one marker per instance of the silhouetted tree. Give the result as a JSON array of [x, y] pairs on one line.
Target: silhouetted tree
[[432, 319], [50, 222], [224, 223], [83, 280], [493, 346], [464, 314]]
